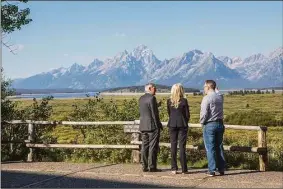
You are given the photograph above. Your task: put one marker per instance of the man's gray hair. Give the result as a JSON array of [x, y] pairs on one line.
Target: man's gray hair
[[147, 86]]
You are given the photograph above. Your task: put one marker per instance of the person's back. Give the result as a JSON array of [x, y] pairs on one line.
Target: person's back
[[179, 115], [150, 126], [211, 117], [146, 119], [213, 102]]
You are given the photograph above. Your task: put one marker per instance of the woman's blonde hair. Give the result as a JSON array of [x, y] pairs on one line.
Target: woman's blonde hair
[[177, 92]]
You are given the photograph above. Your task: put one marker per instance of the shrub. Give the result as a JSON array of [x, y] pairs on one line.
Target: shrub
[[253, 117]]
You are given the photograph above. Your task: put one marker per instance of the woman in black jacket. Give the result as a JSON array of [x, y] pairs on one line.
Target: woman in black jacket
[[179, 116]]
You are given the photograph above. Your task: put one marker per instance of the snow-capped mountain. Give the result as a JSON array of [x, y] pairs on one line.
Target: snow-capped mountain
[[141, 66], [258, 69], [193, 67]]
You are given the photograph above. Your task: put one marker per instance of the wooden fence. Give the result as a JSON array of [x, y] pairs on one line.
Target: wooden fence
[[135, 143]]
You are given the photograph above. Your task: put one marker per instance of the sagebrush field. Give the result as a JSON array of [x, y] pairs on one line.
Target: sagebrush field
[[259, 109]]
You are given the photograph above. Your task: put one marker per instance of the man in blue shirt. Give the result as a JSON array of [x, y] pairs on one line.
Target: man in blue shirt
[[211, 117]]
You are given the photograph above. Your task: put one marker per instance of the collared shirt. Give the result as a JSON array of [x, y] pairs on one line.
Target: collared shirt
[[211, 107]]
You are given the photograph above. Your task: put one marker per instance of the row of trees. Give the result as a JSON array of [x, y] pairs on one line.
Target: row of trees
[[198, 94], [246, 92]]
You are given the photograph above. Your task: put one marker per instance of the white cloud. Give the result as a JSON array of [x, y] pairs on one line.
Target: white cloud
[[117, 34], [66, 55]]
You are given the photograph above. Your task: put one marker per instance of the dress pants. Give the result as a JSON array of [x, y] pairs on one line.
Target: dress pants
[[180, 133], [150, 144]]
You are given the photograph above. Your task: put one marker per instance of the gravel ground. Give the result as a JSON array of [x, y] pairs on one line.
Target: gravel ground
[[68, 175]]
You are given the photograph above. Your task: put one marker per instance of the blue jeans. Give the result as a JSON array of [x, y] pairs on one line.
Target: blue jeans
[[213, 141]]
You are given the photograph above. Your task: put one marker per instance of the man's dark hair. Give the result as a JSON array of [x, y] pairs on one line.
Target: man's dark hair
[[211, 84], [152, 84]]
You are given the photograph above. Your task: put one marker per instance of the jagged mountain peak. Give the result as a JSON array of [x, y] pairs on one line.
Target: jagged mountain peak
[[96, 63], [277, 53], [142, 51], [255, 58], [141, 65], [76, 68], [140, 47], [236, 59], [193, 52], [76, 65], [122, 56], [123, 53], [196, 51]]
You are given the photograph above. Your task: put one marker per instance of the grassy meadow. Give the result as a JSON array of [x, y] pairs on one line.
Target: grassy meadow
[[271, 103], [268, 104]]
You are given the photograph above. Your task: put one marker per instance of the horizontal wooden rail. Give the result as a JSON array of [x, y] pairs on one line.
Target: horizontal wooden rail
[[168, 145], [89, 146], [135, 145], [134, 123], [245, 149], [72, 122], [133, 128], [226, 148]]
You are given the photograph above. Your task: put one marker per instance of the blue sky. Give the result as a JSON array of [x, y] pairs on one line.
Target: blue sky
[[66, 32]]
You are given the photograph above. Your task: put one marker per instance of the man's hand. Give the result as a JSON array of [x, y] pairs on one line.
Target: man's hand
[[159, 104]]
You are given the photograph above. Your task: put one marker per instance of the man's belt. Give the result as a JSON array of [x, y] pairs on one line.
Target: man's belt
[[217, 121]]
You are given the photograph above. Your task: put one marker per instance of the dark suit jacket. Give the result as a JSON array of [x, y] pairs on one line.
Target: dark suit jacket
[[149, 115], [178, 117]]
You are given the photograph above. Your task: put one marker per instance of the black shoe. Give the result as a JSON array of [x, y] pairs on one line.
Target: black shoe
[[221, 173], [210, 174], [154, 170], [145, 170]]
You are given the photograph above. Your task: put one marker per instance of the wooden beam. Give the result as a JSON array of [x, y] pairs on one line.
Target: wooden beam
[[135, 128], [131, 129], [226, 148], [263, 157], [34, 122], [72, 122], [90, 146], [168, 145], [135, 122], [98, 123], [136, 156], [244, 149], [31, 139]]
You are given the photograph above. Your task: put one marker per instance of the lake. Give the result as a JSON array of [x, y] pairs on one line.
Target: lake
[[55, 95]]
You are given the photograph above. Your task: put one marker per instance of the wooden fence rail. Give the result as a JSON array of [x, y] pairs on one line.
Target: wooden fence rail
[[135, 143]]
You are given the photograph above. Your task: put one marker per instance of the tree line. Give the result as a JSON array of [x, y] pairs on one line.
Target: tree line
[[247, 92]]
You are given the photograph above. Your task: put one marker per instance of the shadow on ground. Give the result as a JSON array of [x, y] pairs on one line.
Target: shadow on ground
[[14, 179]]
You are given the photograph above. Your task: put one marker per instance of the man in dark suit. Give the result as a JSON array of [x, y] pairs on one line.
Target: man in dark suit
[[150, 126]]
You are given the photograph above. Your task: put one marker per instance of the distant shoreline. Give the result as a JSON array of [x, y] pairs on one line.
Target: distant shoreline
[[85, 95]]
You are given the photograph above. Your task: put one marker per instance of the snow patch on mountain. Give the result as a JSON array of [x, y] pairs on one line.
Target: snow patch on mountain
[[141, 66]]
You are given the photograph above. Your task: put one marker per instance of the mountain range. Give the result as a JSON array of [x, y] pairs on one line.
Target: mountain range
[[141, 66]]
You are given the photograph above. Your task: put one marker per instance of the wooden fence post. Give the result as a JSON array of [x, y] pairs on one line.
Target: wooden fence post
[[135, 153], [263, 157], [30, 139]]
